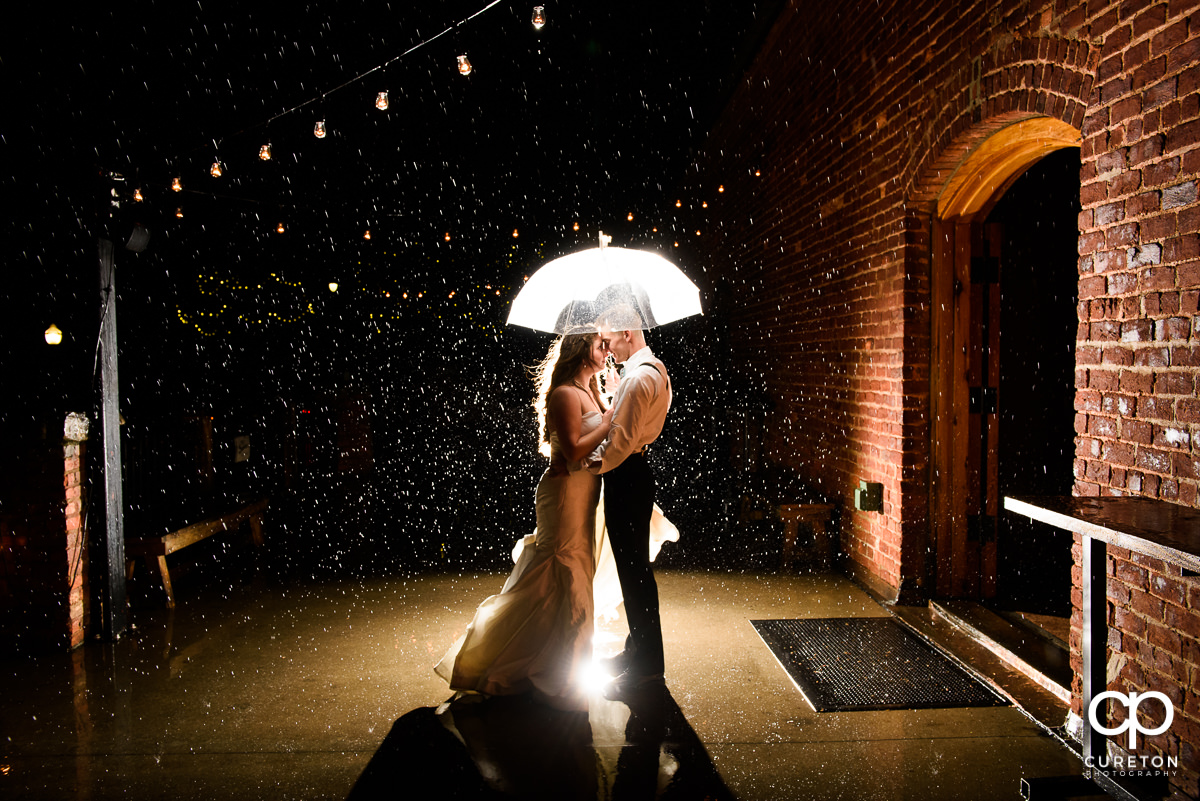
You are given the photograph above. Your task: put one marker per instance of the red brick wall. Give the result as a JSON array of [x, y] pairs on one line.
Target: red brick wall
[[832, 152], [77, 566], [853, 119], [43, 546], [1154, 644], [1138, 343]]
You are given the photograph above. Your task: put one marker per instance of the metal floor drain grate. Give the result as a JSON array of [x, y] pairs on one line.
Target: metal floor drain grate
[[842, 664]]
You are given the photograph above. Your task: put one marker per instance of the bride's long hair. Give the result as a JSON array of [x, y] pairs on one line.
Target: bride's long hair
[[562, 362]]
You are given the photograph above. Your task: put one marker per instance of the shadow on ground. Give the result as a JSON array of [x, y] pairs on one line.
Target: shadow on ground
[[512, 747]]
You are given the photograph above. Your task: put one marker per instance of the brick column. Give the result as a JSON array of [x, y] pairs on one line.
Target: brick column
[[75, 431]]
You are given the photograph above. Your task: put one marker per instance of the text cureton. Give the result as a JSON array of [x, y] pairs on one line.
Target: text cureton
[[1131, 762]]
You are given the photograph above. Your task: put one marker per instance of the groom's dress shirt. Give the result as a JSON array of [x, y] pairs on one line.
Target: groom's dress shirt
[[639, 411]]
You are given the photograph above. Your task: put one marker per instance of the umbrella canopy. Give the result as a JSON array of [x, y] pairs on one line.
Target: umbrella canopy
[[568, 295]]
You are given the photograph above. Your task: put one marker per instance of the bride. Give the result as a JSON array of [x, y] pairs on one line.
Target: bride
[[536, 635]]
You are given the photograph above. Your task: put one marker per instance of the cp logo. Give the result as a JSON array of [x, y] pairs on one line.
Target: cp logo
[[1131, 702]]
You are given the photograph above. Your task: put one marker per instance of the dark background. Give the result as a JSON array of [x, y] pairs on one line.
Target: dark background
[[590, 120]]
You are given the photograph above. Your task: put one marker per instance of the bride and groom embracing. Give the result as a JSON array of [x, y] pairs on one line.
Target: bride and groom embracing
[[536, 636]]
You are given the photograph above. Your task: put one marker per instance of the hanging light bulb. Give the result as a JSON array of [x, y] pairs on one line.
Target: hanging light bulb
[[53, 335], [629, 216], [333, 285], [137, 195], [515, 233], [215, 169], [319, 129], [704, 204], [447, 237], [179, 211], [367, 234], [381, 101], [539, 17], [279, 228], [464, 65], [576, 226], [721, 188], [264, 152], [176, 185], [678, 204]]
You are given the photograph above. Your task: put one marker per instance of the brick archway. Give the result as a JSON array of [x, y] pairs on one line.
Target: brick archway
[[963, 497]]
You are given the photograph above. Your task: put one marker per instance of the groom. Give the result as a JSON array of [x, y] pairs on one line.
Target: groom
[[639, 410]]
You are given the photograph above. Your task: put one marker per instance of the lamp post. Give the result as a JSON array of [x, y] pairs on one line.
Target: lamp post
[[113, 621], [113, 614]]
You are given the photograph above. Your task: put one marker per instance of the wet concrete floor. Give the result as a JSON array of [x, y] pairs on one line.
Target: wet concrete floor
[[325, 690]]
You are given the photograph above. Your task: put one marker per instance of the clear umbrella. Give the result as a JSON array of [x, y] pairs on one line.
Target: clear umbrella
[[569, 294]]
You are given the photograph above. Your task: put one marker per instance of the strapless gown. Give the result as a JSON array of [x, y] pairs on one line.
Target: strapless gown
[[536, 635]]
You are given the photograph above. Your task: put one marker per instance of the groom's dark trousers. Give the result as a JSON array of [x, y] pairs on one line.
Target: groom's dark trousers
[[628, 504]]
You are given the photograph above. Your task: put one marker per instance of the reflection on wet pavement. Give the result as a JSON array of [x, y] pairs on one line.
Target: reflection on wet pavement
[[308, 690], [639, 748]]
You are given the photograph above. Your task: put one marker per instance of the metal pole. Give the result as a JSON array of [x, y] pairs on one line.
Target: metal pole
[[1094, 642], [110, 425]]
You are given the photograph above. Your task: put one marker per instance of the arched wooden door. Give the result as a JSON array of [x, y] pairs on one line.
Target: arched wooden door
[[965, 290]]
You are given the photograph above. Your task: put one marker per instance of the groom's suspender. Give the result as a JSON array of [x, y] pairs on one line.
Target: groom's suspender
[[660, 372]]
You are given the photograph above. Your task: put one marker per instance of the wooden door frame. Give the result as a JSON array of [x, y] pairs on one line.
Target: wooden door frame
[[980, 180]]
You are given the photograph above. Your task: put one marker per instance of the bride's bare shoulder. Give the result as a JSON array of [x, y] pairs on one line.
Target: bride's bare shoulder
[[564, 398]]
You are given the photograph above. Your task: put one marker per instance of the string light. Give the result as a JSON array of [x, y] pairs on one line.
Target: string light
[[704, 204], [678, 204], [220, 288], [320, 130], [381, 101], [721, 188], [216, 169], [629, 216], [333, 286], [53, 335]]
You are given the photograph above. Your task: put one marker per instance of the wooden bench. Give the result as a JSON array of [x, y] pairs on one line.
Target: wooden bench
[[816, 515], [159, 548]]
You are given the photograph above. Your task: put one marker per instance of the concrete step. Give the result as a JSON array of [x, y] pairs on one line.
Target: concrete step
[[1035, 653], [969, 650]]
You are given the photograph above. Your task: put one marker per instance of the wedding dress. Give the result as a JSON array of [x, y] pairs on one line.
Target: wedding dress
[[536, 635]]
